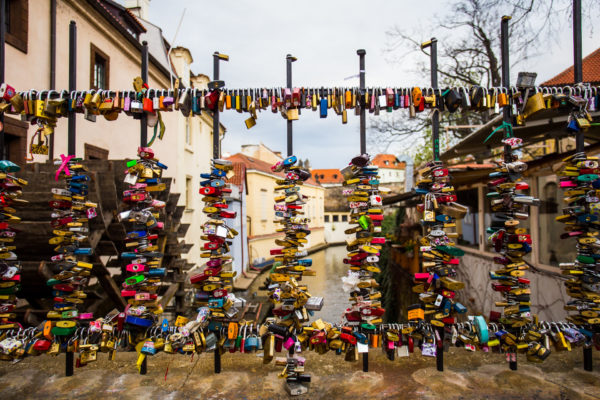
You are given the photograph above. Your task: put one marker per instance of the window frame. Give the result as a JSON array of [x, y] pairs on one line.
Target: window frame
[[18, 17], [95, 51]]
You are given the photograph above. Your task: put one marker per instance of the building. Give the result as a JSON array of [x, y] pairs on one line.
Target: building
[[391, 172], [109, 48], [337, 213], [260, 227], [236, 201], [546, 143]]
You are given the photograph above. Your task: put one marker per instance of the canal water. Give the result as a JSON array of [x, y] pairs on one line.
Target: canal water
[[327, 283]]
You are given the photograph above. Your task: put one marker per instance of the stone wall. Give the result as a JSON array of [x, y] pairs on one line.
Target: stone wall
[[548, 294]]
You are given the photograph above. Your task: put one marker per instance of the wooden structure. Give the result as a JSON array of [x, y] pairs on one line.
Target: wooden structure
[[106, 237]]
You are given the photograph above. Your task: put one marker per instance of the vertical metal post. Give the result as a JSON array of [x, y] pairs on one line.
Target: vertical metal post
[[144, 366], [217, 356], [69, 363], [363, 140], [216, 141], [363, 115], [507, 118], [507, 111], [435, 121], [143, 120], [577, 62], [72, 86], [289, 59], [52, 65], [2, 59], [579, 137], [439, 354]]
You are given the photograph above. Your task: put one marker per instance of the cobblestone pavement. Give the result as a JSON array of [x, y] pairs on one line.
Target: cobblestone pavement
[[466, 376]]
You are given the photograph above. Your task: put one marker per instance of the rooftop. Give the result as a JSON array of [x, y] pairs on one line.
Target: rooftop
[[252, 163], [327, 176], [388, 161], [590, 69]]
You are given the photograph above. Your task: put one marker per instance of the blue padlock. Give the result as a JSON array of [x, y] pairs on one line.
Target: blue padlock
[[157, 272], [306, 262], [84, 251], [323, 107], [459, 308]]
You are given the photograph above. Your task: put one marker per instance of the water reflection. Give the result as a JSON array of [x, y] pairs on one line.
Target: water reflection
[[327, 283]]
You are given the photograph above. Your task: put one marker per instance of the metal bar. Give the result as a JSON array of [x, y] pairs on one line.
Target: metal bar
[[143, 120], [72, 128], [435, 121], [363, 115], [2, 59], [507, 111], [439, 354], [69, 363], [217, 356], [216, 131], [290, 130], [52, 65], [507, 118], [144, 366], [577, 62]]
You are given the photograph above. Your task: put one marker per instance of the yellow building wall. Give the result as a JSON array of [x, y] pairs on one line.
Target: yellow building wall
[[121, 137], [260, 212]]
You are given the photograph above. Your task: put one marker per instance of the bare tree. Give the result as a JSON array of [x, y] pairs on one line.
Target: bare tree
[[469, 49]]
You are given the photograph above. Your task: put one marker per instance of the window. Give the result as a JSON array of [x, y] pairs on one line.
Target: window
[[189, 193], [551, 249], [326, 217], [188, 132], [15, 139], [92, 152], [17, 23], [336, 218], [468, 227], [344, 218], [322, 176], [99, 68], [334, 176], [386, 162], [263, 205]]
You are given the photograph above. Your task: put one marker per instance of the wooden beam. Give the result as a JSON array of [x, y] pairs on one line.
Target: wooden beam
[[173, 288], [109, 285]]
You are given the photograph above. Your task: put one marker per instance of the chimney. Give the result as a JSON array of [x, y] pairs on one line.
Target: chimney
[[139, 8]]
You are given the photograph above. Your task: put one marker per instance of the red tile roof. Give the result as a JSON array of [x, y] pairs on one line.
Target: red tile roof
[[392, 162], [239, 177], [327, 175], [590, 68], [251, 163]]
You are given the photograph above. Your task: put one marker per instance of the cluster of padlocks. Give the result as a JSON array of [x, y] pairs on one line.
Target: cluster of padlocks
[[292, 303], [10, 267], [438, 286], [71, 212], [579, 179], [512, 242], [214, 284], [142, 255], [361, 182]]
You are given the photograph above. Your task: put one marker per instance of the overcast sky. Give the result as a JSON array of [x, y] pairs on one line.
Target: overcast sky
[[324, 36]]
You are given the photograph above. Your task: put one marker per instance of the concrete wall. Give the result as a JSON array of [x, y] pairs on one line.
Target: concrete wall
[[334, 231], [548, 294]]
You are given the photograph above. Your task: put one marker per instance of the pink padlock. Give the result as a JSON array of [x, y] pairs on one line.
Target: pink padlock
[[128, 293], [288, 343], [135, 268], [87, 315], [567, 184]]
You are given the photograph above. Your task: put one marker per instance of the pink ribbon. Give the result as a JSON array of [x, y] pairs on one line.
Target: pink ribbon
[[63, 166]]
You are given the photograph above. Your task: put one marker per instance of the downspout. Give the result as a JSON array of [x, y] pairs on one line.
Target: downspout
[[52, 85]]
